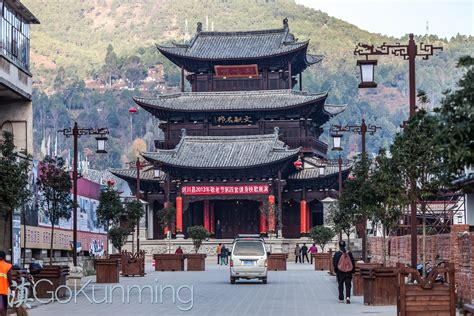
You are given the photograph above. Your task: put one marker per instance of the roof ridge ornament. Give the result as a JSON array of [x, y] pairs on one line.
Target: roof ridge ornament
[[199, 27], [183, 132], [285, 23], [276, 131]]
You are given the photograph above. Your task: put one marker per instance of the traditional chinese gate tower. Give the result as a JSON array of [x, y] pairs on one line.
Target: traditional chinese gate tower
[[243, 141]]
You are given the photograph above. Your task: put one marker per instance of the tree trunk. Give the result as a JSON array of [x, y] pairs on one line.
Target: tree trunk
[[51, 246], [424, 239]]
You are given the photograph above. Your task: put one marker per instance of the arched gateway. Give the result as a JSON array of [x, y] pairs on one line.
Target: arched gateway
[[241, 152]]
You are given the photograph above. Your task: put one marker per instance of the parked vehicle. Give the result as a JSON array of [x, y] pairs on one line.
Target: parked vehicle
[[248, 259]]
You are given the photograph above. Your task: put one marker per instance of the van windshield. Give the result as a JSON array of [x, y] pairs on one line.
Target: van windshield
[[249, 248]]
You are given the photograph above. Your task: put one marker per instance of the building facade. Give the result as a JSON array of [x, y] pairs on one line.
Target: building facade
[[16, 111], [241, 151]]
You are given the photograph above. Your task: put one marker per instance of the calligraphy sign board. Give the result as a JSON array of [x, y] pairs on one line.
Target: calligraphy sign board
[[225, 189], [233, 120], [236, 71]]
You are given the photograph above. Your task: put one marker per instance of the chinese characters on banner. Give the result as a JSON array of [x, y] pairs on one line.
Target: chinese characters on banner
[[223, 189], [236, 71]]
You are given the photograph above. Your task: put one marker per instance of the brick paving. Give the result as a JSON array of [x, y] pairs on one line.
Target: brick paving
[[298, 291]]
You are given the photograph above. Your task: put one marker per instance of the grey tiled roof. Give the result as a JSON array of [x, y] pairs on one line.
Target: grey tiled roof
[[239, 45], [313, 173], [224, 152], [235, 100], [146, 174]]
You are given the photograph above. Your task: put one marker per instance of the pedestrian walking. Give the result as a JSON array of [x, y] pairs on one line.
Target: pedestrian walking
[[297, 253], [218, 251], [344, 266], [224, 254], [304, 253], [5, 283], [312, 251]]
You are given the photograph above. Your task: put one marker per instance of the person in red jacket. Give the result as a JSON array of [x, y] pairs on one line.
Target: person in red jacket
[[179, 250]]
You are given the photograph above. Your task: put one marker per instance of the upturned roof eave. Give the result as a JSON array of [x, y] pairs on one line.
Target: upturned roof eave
[[152, 107], [168, 53], [294, 152]]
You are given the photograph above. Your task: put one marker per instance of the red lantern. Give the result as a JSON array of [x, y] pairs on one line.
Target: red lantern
[[110, 182], [298, 164], [132, 110]]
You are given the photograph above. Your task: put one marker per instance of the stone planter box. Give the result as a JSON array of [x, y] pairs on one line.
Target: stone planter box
[[322, 261], [169, 262], [277, 261], [133, 264], [380, 285], [107, 270], [56, 275], [426, 297], [357, 282], [196, 262], [117, 256]]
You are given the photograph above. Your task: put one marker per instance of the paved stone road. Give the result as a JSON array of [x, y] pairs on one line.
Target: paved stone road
[[298, 291]]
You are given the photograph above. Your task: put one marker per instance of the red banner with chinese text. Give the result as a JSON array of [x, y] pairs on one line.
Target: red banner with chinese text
[[225, 189], [236, 71]]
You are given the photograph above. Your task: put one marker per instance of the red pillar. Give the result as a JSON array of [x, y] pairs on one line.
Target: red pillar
[[308, 218], [303, 213], [212, 218], [179, 214], [263, 221], [206, 215], [271, 217]]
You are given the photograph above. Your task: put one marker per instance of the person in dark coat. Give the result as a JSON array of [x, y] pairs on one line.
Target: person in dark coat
[[218, 230], [304, 253], [344, 278]]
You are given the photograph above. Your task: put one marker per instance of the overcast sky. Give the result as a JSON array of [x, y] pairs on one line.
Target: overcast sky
[[399, 17]]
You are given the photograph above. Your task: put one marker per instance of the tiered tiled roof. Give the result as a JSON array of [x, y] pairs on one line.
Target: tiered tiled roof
[[238, 46], [224, 152], [312, 172], [232, 100]]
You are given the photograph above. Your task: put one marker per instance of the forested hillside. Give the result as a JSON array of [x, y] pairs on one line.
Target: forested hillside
[[90, 57]]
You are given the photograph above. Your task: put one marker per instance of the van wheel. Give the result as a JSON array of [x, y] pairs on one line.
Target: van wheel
[[232, 280], [264, 280]]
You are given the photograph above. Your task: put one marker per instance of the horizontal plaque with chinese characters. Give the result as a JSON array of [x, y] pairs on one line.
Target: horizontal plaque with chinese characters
[[233, 119], [236, 71], [225, 189]]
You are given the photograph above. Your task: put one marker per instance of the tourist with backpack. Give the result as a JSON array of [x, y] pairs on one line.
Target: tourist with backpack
[[344, 266]]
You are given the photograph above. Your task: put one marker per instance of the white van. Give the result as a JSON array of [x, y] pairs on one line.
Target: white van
[[248, 259]]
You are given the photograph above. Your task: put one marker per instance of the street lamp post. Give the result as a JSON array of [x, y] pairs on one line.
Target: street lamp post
[[408, 52], [77, 132], [363, 129]]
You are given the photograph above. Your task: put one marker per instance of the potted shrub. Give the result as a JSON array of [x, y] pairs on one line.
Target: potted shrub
[[322, 235], [55, 198], [196, 261], [168, 261], [109, 212], [133, 263]]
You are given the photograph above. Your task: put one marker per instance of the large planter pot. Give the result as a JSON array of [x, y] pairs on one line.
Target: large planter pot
[[169, 262], [277, 261], [133, 264], [380, 285], [196, 262], [56, 275], [322, 261], [426, 297], [107, 270], [357, 282], [117, 256]]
